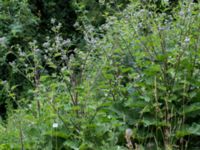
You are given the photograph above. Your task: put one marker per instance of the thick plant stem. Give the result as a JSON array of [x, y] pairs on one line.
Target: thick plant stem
[[167, 138]]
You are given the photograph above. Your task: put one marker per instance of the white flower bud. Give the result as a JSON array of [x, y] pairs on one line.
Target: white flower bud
[[2, 40], [128, 133], [55, 125], [187, 40], [53, 20]]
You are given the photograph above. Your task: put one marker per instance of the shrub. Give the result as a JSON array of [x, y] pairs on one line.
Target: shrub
[[152, 73]]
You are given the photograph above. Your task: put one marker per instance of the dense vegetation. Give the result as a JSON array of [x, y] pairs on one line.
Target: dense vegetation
[[99, 75]]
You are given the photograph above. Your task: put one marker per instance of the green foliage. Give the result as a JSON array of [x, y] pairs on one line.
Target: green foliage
[[157, 55], [133, 85], [17, 24]]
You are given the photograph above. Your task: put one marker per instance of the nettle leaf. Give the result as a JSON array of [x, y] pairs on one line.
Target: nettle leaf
[[108, 76], [182, 133], [16, 28], [51, 64], [195, 129], [146, 109], [57, 54], [193, 94], [86, 146], [105, 105], [125, 70], [155, 68], [149, 121], [161, 57], [146, 98], [72, 144], [191, 108], [189, 130], [172, 71], [136, 103]]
